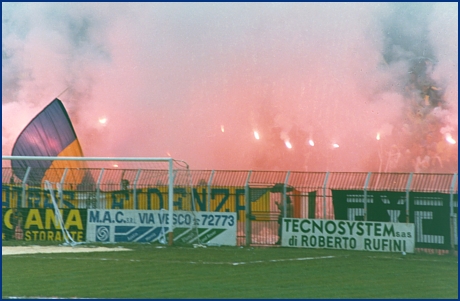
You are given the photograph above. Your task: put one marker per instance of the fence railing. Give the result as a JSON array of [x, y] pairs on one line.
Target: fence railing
[[139, 178], [430, 201]]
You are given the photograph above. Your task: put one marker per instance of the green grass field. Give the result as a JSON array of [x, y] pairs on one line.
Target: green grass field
[[154, 271]]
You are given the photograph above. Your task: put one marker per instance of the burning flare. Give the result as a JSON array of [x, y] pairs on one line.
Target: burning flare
[[449, 139], [103, 120], [256, 135]]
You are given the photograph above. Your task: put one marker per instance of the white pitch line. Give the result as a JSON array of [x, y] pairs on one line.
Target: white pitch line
[[406, 257], [39, 256], [55, 249], [37, 297], [264, 261]]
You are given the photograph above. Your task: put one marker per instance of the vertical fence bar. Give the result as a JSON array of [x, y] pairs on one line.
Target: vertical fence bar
[[324, 194], [284, 194], [366, 183], [208, 198], [24, 183], [247, 210], [136, 179], [98, 189], [453, 225], [170, 201], [409, 181], [64, 174]]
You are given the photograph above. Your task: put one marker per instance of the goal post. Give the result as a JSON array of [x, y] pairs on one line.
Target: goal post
[[68, 171]]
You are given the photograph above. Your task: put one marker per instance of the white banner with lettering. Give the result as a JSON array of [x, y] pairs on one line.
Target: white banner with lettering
[[348, 235], [111, 225]]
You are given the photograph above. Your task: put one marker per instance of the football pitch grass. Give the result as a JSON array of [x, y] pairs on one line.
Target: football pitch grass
[[155, 271]]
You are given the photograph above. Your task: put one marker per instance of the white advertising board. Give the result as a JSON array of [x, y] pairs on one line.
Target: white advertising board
[[111, 225], [348, 235]]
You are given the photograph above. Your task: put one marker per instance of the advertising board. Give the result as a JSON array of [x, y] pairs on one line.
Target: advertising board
[[110, 225], [348, 235], [39, 224]]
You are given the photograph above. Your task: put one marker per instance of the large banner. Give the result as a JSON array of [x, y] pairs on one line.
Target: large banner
[[430, 212], [221, 199], [348, 235], [213, 228], [34, 224]]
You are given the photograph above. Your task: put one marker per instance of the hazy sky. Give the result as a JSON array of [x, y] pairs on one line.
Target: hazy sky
[[195, 80]]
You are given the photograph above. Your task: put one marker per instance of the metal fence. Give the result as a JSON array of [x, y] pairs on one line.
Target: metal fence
[[301, 181], [253, 195]]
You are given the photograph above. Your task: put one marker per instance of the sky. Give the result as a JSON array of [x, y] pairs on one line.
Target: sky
[[241, 86]]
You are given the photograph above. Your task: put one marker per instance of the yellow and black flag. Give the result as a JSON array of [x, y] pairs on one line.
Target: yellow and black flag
[[50, 134]]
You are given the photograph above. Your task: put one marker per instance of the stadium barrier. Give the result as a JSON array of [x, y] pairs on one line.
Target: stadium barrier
[[429, 201]]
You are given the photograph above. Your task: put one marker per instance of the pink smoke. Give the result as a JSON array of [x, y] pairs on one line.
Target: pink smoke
[[168, 77]]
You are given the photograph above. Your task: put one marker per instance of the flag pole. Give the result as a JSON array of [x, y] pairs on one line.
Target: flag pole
[[63, 92]]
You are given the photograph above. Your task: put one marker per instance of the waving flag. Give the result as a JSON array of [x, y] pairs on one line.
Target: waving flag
[[50, 133]]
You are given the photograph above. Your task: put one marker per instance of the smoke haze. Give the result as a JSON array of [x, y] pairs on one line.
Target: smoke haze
[[195, 81]]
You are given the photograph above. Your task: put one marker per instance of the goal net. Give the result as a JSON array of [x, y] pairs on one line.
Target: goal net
[[99, 199]]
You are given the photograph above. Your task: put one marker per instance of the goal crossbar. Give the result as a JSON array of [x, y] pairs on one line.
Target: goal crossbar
[[132, 159]]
